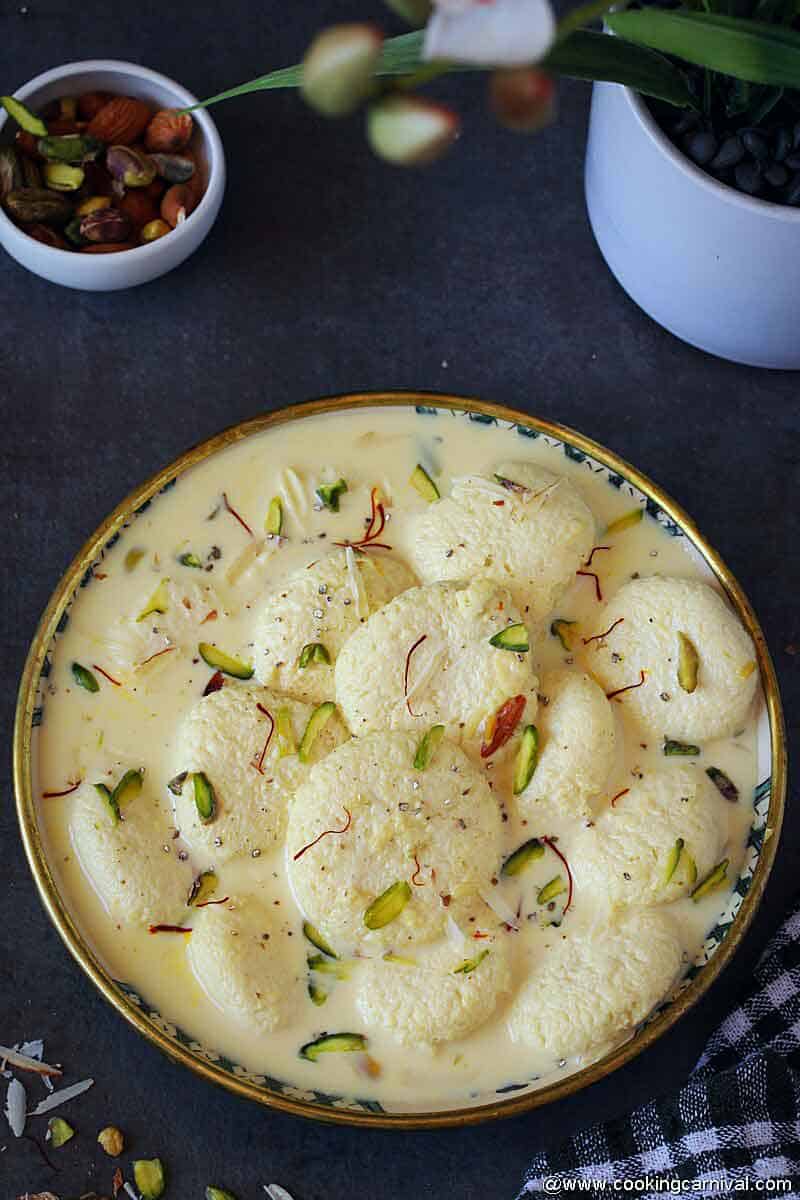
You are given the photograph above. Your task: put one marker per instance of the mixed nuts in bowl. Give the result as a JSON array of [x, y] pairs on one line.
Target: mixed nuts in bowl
[[99, 160]]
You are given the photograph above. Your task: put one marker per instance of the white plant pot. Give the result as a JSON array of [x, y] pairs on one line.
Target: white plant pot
[[719, 269]]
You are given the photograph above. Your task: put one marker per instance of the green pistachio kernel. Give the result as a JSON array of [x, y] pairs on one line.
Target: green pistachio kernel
[[388, 906], [84, 678]]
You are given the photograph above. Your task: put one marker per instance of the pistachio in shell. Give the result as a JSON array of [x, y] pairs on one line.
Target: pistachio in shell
[[175, 168], [10, 171], [130, 167], [105, 225], [34, 206]]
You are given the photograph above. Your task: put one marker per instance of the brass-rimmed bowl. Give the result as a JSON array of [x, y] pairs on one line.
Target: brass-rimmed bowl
[[721, 942]]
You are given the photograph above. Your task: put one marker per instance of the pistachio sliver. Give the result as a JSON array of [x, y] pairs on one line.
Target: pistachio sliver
[[554, 887], [203, 887], [107, 796], [688, 663], [127, 789], [204, 798], [421, 481], [69, 148], [59, 1132], [469, 964], [133, 558], [388, 906], [158, 602], [333, 1043], [565, 631], [527, 759], [215, 1193], [316, 994], [284, 731], [148, 1174], [84, 678], [324, 965], [674, 749], [189, 559], [273, 523], [400, 959], [428, 746], [673, 858], [712, 881], [313, 935], [690, 867], [314, 652], [329, 494], [23, 116], [316, 723], [723, 783], [627, 521], [226, 663], [527, 853], [513, 637]]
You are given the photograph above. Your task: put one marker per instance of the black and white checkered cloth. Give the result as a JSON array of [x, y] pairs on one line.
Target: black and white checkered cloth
[[736, 1119]]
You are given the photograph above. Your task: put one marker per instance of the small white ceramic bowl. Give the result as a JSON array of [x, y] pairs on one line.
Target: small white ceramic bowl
[[129, 268]]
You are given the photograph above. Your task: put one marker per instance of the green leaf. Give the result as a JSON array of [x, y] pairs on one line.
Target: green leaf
[[596, 56], [743, 49]]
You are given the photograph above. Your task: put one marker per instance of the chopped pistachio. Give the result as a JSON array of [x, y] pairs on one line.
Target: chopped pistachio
[[84, 678], [388, 906], [59, 1132], [204, 798], [328, 966], [526, 853], [626, 522], [313, 935], [428, 746], [284, 731], [314, 652], [391, 957], [421, 481], [554, 887], [688, 663], [158, 602], [673, 858], [725, 785], [747, 670], [316, 994], [316, 723], [273, 523], [148, 1174], [214, 1193], [527, 759], [133, 558], [202, 888], [333, 1043], [190, 560], [469, 964], [329, 493], [690, 867], [23, 116], [513, 637], [226, 663], [111, 1140], [674, 749], [565, 631], [107, 796], [127, 789], [712, 881]]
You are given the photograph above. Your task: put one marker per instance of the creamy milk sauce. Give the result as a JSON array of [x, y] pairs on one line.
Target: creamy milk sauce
[[93, 737]]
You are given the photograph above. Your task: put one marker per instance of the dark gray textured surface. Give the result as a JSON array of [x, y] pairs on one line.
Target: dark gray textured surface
[[329, 272]]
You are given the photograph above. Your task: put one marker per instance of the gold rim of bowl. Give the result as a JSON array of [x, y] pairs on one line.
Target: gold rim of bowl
[[78, 945]]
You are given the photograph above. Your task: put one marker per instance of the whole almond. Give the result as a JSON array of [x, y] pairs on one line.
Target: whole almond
[[169, 131], [139, 207], [90, 103], [122, 121], [178, 202], [47, 236]]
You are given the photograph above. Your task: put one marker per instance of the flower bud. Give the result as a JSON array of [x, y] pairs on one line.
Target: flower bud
[[522, 98], [339, 66], [410, 131]]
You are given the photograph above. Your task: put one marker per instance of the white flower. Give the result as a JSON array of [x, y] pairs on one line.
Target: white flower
[[490, 32]]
